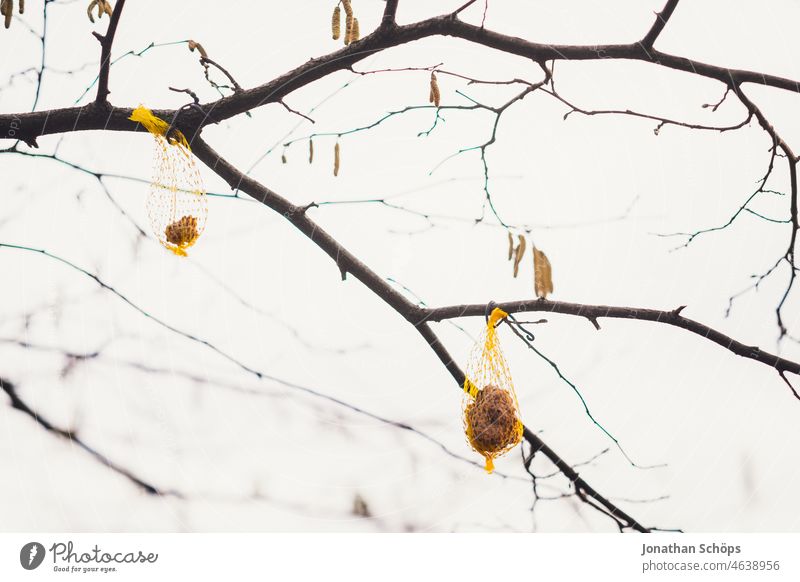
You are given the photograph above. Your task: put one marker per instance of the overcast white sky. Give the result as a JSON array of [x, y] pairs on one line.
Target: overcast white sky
[[261, 456]]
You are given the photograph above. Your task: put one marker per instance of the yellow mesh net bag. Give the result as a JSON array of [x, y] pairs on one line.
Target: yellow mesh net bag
[[490, 407], [177, 204]]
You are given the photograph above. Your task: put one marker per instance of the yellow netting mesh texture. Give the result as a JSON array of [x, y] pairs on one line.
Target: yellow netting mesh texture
[[177, 204], [490, 407]]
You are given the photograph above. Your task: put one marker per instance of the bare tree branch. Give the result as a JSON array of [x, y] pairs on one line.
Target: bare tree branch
[[595, 312], [390, 13], [658, 26], [102, 116], [28, 126], [106, 42], [414, 314], [19, 404]]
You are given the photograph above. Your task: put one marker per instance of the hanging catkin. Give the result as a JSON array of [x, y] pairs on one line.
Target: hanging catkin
[[348, 21], [7, 10], [518, 254], [311, 151], [348, 30], [542, 274], [490, 407], [336, 23], [336, 159], [435, 94], [355, 34], [177, 203]]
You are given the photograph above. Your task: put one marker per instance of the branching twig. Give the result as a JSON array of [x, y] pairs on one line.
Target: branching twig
[[593, 312], [19, 404], [32, 125], [106, 42], [414, 314], [28, 126], [658, 26]]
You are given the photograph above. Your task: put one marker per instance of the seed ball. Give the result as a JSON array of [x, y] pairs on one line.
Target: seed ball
[[183, 232], [492, 419]]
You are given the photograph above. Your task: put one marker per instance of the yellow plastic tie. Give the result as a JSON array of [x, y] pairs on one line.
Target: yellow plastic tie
[[157, 126], [470, 388], [497, 315]]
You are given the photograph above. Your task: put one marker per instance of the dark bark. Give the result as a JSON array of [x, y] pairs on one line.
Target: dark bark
[[595, 312], [28, 126], [347, 262]]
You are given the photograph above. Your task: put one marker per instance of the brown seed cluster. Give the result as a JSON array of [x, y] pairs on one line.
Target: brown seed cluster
[[183, 232], [492, 420]]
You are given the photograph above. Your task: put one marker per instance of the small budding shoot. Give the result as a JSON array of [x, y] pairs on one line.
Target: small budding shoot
[[177, 204], [435, 95], [336, 23], [196, 46], [336, 159]]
